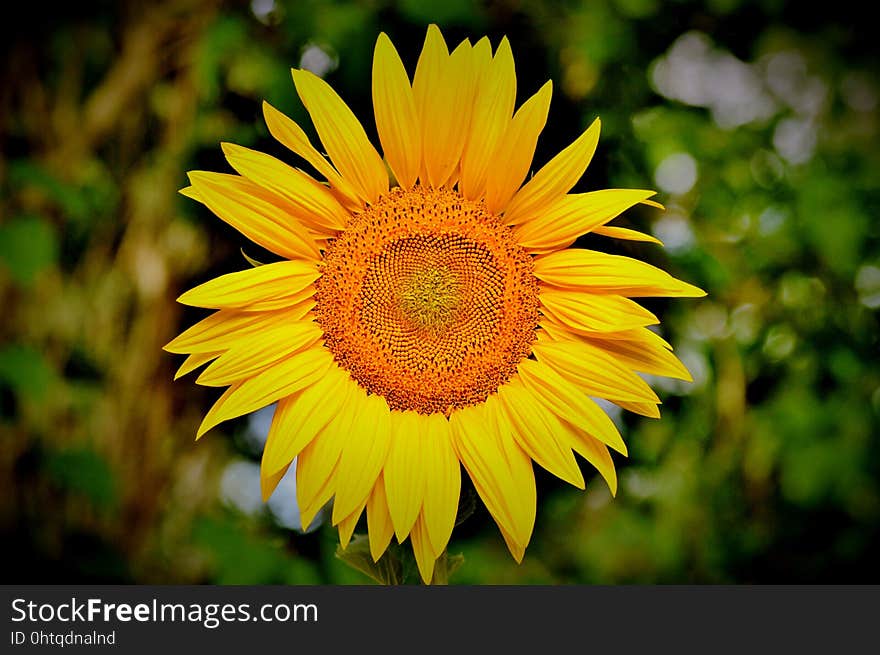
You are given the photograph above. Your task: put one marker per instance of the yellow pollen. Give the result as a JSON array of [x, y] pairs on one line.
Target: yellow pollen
[[427, 300]]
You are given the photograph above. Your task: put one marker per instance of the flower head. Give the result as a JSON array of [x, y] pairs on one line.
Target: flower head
[[434, 320]]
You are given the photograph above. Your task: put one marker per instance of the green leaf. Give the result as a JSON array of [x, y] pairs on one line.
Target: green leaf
[[28, 245], [85, 473], [445, 566], [389, 570], [397, 566], [26, 371]]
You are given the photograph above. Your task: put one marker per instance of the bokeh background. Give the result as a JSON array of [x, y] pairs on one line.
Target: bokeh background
[[757, 122]]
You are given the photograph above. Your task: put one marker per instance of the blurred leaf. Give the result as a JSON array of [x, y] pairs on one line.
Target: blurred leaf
[[26, 371], [28, 245], [26, 173], [448, 12], [225, 36], [85, 473], [637, 8], [239, 557]]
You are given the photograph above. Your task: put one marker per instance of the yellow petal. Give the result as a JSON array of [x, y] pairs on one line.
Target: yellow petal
[[599, 272], [429, 76], [585, 312], [555, 179], [500, 471], [318, 462], [567, 218], [625, 233], [228, 327], [286, 377], [308, 511], [255, 213], [513, 156], [425, 555], [347, 525], [644, 351], [268, 483], [342, 136], [364, 455], [299, 418], [247, 359], [397, 120], [535, 430], [405, 470], [190, 192], [516, 549], [442, 480], [291, 135], [310, 503], [524, 505], [311, 202], [569, 403], [447, 116], [379, 524], [254, 288], [644, 409], [482, 62], [594, 370], [493, 108], [591, 450], [194, 361]]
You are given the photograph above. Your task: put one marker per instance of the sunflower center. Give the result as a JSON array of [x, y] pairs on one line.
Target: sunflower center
[[430, 297], [427, 300]]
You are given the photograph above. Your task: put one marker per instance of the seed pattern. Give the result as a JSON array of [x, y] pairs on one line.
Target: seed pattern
[[427, 300]]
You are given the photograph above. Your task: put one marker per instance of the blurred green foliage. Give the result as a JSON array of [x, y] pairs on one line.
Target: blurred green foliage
[[28, 245], [756, 120]]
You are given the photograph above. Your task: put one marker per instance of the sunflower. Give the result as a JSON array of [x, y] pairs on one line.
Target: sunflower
[[427, 312]]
